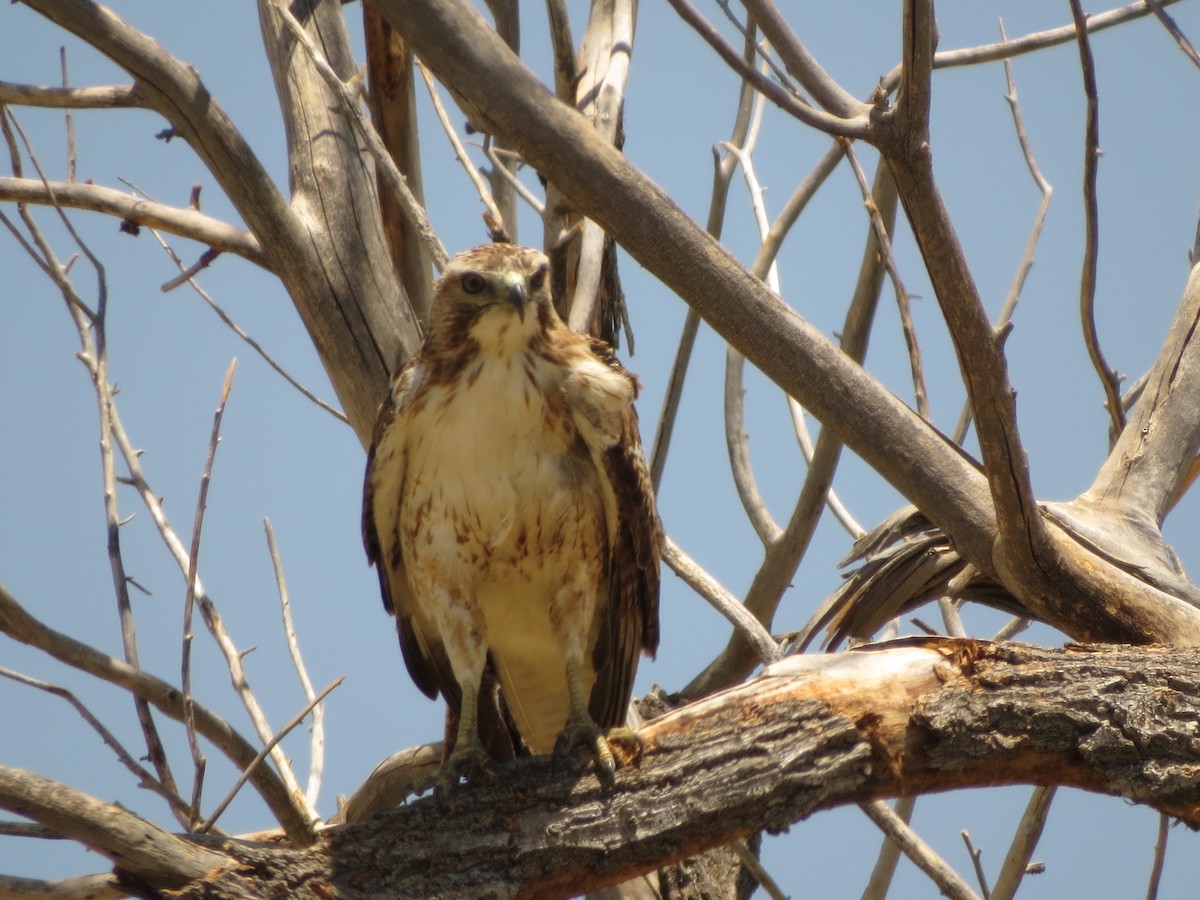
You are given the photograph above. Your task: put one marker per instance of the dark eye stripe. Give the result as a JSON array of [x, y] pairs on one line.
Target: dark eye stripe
[[538, 278]]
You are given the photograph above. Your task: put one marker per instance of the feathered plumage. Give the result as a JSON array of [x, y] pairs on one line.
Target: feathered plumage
[[509, 511]]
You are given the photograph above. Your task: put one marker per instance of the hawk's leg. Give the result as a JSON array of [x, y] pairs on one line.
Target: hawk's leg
[[463, 635], [581, 729], [468, 759]]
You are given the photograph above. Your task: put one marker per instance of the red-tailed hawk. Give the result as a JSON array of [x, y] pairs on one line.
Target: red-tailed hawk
[[509, 511]]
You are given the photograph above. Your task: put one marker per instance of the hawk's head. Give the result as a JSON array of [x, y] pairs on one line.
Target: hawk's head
[[496, 295]]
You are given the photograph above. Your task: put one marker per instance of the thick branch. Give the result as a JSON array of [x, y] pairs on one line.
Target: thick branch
[[188, 223], [100, 97], [814, 732], [801, 64], [336, 207], [137, 847], [1155, 451]]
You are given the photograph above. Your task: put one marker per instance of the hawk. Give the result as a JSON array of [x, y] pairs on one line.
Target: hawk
[[509, 511]]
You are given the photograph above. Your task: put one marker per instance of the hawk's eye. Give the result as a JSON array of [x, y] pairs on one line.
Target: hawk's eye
[[473, 283]]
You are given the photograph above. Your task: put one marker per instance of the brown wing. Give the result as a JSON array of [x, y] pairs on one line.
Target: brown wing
[[382, 497], [420, 643], [629, 620]]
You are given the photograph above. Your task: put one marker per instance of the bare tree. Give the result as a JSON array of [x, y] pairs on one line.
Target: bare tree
[[724, 758]]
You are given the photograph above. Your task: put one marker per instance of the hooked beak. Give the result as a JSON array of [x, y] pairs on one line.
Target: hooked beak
[[516, 294]]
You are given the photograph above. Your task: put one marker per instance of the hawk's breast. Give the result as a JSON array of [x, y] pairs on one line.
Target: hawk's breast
[[506, 513]]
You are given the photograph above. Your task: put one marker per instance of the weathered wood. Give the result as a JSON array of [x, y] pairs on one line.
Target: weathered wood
[[353, 305], [813, 732]]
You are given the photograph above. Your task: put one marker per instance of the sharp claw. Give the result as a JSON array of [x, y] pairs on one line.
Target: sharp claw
[[582, 731], [469, 762]]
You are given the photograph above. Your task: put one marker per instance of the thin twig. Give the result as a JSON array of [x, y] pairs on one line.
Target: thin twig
[[269, 748], [206, 259], [1160, 856], [855, 127], [144, 777], [755, 867], [18, 624], [1109, 380], [99, 97], [723, 169], [951, 617], [189, 719], [1011, 629], [1029, 832], [736, 439], [212, 618], [722, 601], [1175, 31], [317, 752], [246, 338], [188, 223], [920, 391], [91, 328], [1035, 233], [804, 439], [30, 830], [494, 156], [947, 880], [68, 116], [737, 446], [976, 855], [460, 152], [889, 854], [1030, 43]]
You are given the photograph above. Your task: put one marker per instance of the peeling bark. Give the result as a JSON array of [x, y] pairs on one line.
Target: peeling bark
[[813, 732]]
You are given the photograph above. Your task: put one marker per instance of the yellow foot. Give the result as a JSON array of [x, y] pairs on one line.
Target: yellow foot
[[583, 732], [626, 745], [470, 763]]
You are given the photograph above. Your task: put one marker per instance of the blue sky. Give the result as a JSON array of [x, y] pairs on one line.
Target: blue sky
[[281, 457]]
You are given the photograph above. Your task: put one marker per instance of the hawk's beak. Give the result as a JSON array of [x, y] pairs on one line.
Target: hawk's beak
[[517, 295]]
